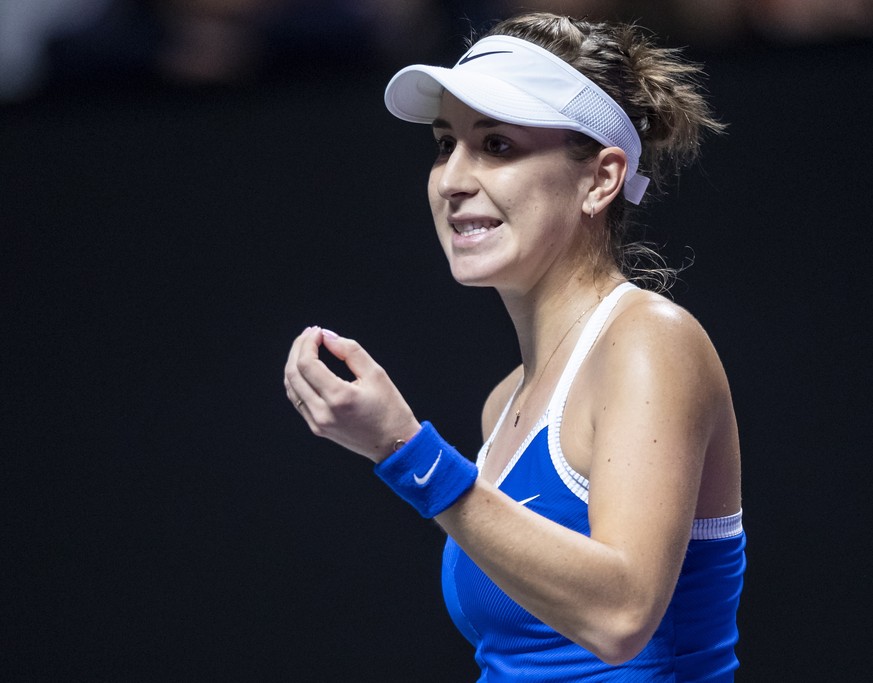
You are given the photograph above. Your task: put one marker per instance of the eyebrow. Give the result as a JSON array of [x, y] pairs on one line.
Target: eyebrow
[[481, 123]]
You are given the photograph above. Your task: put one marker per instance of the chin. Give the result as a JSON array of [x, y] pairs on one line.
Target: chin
[[478, 269], [472, 278], [473, 283], [489, 282]]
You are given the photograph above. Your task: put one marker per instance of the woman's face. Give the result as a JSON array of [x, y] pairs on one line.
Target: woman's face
[[507, 200]]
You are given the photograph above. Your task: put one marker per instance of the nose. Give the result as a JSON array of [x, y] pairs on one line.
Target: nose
[[457, 175]]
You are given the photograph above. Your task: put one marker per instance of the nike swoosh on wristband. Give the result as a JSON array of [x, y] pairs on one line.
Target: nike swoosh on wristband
[[421, 481], [528, 500], [468, 58]]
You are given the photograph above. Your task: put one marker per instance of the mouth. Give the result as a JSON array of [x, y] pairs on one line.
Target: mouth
[[476, 227]]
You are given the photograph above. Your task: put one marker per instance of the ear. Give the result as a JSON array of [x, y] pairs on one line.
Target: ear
[[609, 170]]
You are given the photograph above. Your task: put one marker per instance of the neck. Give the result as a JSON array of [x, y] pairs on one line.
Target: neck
[[545, 320]]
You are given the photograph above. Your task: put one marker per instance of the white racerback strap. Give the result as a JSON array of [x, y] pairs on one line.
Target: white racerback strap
[[572, 479], [586, 340], [589, 334], [702, 529]]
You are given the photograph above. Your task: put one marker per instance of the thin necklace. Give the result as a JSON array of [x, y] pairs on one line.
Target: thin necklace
[[566, 334]]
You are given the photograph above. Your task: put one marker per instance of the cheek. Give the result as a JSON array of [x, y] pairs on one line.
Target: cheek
[[433, 194], [438, 209]]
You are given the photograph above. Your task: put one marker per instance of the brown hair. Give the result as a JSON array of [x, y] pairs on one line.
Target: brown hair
[[658, 90]]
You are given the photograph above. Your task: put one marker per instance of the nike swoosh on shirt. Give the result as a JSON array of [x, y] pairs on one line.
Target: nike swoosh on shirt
[[470, 58], [421, 481], [528, 500]]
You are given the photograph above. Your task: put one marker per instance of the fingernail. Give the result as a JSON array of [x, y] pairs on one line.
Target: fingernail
[[330, 334]]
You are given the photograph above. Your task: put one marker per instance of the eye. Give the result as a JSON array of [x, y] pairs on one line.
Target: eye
[[445, 145], [495, 144]]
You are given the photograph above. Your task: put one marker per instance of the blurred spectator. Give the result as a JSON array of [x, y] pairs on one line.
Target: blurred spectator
[[26, 30], [220, 41], [721, 22], [212, 40], [225, 40], [797, 21]]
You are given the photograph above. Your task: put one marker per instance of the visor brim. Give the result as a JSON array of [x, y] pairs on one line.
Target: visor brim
[[415, 92]]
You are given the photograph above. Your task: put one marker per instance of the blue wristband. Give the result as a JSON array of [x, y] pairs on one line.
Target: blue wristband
[[428, 473]]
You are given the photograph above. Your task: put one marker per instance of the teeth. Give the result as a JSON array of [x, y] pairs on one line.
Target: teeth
[[475, 227]]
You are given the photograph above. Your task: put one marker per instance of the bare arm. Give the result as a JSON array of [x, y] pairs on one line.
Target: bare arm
[[658, 388], [659, 385]]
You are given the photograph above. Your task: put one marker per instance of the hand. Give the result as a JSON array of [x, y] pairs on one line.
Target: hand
[[366, 416]]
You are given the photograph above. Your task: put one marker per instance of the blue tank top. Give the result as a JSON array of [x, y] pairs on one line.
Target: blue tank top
[[696, 638]]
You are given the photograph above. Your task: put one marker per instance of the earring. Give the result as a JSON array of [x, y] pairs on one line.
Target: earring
[[592, 211]]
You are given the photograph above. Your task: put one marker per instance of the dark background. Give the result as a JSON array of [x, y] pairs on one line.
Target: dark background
[[165, 513]]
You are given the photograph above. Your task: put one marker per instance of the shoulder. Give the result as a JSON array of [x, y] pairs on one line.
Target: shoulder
[[497, 400], [652, 341], [658, 420], [650, 324]]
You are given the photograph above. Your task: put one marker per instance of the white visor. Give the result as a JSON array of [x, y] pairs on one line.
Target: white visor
[[515, 81]]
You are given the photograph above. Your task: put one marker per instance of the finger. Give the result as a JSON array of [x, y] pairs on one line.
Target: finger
[[290, 368], [356, 358], [297, 388], [317, 375], [289, 390], [294, 398]]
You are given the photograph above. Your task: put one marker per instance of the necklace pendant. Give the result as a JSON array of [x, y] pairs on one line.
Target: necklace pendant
[[517, 415]]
